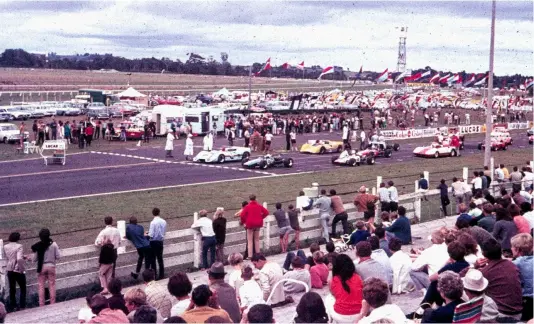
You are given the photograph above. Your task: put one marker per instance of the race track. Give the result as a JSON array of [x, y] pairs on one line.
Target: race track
[[145, 167]]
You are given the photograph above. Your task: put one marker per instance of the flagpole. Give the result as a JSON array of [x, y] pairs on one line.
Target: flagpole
[[249, 87], [489, 114]]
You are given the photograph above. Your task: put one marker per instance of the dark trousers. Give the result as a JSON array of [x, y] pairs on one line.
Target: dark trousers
[[15, 278], [54, 135], [341, 217], [291, 255], [432, 295], [97, 133], [157, 254], [146, 254], [208, 243], [88, 139], [247, 141], [384, 206], [81, 141], [444, 203], [527, 309]]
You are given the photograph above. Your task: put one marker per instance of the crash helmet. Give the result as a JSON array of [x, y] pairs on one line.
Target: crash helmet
[[353, 152]]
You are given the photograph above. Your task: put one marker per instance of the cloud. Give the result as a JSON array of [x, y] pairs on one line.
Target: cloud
[[444, 35]]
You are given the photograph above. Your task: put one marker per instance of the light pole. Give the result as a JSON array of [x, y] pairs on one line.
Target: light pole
[[249, 87], [489, 113]]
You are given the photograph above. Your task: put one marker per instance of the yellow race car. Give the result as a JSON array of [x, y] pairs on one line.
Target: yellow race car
[[322, 147]]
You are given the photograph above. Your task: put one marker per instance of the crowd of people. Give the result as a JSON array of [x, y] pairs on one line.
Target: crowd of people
[[480, 268]]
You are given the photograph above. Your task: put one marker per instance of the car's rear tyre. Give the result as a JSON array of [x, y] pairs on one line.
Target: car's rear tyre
[[504, 147], [221, 159], [4, 140], [288, 163], [453, 153], [436, 155], [322, 150], [480, 146], [388, 153], [352, 162], [396, 147], [263, 165], [245, 156], [339, 148], [462, 146], [334, 159], [371, 160], [243, 161], [511, 141]]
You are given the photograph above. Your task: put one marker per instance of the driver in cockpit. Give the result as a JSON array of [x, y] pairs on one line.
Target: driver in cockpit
[[344, 154]]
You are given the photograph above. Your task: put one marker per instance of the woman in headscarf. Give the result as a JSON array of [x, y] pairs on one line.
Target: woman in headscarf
[[46, 254], [188, 151], [169, 144]]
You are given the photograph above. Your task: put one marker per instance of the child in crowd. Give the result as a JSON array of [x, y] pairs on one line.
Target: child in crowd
[[319, 272], [250, 292], [360, 234]]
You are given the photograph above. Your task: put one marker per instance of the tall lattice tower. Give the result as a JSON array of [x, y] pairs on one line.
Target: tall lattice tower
[[401, 59]]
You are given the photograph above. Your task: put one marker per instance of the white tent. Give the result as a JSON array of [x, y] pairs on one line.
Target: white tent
[[223, 92], [130, 93]]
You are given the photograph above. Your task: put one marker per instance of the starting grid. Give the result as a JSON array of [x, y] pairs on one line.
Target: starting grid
[[184, 163]]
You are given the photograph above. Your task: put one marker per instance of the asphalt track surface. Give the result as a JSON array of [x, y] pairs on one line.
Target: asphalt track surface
[[146, 167]]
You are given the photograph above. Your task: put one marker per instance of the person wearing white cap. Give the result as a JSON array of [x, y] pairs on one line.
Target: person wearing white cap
[[475, 287], [169, 146], [188, 151]]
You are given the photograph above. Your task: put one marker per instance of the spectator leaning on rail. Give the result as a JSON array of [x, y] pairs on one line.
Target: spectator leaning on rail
[[136, 234], [110, 235], [340, 213], [209, 242], [156, 234], [324, 203], [219, 227], [365, 204], [252, 217]]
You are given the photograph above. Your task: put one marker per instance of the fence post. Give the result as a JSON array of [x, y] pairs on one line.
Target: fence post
[[492, 176], [426, 175], [267, 232], [378, 181], [121, 226], [465, 174], [197, 244], [416, 186], [417, 202], [3, 273]]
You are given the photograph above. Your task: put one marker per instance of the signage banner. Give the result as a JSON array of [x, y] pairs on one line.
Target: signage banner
[[470, 129], [518, 125]]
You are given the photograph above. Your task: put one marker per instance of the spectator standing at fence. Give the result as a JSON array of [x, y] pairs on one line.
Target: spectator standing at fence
[[383, 196], [528, 179], [324, 203], [219, 227], [393, 196], [106, 260], [252, 217], [226, 294], [136, 234], [209, 243], [284, 229], [157, 296], [422, 186], [516, 176], [505, 171], [365, 205], [293, 215], [444, 196], [156, 235], [46, 254], [110, 235], [15, 271], [340, 213], [401, 227], [180, 287], [458, 192]]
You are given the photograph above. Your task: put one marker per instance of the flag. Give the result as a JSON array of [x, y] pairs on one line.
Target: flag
[[434, 78], [445, 78], [326, 70], [424, 75], [361, 70], [285, 65], [454, 78], [266, 66], [470, 80], [529, 83], [402, 75], [300, 66], [481, 81], [383, 76]]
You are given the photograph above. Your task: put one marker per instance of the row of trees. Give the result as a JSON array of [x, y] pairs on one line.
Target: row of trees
[[195, 64]]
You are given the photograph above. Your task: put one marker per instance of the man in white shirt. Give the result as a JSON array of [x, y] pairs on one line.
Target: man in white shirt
[[204, 224], [528, 179], [432, 258], [268, 141], [401, 264], [362, 140], [109, 234], [383, 195], [499, 175], [270, 274], [156, 234], [477, 181], [393, 196]]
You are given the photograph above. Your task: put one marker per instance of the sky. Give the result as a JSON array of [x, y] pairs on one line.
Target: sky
[[453, 35]]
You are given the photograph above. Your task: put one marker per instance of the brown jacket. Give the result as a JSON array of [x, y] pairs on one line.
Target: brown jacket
[[201, 314]]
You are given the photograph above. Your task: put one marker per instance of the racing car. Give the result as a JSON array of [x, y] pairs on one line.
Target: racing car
[[435, 150], [321, 147], [496, 145], [225, 154], [377, 149], [267, 161], [351, 159], [500, 140]]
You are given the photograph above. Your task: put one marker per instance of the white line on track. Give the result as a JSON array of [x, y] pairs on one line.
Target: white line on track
[[38, 158]]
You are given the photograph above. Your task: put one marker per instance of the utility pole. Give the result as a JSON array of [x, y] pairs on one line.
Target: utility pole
[[489, 113], [249, 87]]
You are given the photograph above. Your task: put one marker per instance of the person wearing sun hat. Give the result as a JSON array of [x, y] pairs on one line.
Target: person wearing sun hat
[[475, 287], [226, 294]]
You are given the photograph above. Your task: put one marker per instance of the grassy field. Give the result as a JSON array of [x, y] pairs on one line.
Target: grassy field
[[77, 221]]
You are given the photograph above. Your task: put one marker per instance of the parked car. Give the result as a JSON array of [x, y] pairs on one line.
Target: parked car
[[16, 113], [5, 117], [98, 113], [9, 133]]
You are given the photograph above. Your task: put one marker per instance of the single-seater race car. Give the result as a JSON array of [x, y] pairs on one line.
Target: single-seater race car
[[351, 159], [500, 140], [435, 150], [225, 154], [267, 161], [321, 147], [378, 149], [496, 145]]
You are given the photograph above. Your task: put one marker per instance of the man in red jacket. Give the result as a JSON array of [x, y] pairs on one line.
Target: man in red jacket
[[252, 217]]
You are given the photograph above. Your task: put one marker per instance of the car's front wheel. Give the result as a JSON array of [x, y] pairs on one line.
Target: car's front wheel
[[264, 165], [288, 163], [322, 150], [436, 155], [453, 153], [221, 158], [245, 156]]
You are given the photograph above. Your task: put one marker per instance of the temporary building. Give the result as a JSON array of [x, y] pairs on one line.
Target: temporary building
[[130, 93]]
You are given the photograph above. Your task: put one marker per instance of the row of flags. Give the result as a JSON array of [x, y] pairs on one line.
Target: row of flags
[[426, 76]]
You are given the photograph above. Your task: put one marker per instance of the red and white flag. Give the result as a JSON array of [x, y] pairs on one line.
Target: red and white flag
[[470, 79], [326, 70], [406, 75], [300, 66], [383, 76], [445, 78], [481, 81], [285, 65], [434, 78], [266, 66]]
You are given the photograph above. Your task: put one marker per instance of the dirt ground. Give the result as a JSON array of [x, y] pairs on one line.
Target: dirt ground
[[77, 221]]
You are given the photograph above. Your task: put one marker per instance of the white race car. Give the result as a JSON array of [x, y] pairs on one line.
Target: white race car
[[346, 158], [225, 154], [435, 150]]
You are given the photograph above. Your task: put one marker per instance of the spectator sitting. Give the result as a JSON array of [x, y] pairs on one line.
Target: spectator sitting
[[381, 257], [504, 283], [116, 301], [360, 234], [260, 313], [526, 211], [298, 273], [474, 212], [100, 307], [385, 218], [375, 297], [331, 255], [146, 314], [456, 264], [85, 314], [157, 296], [236, 262], [522, 252], [174, 319], [365, 266], [401, 265], [520, 222], [401, 228], [504, 230], [3, 313], [200, 311], [319, 272], [180, 287], [488, 221], [270, 274], [345, 302], [311, 309], [226, 295], [450, 288], [463, 213], [472, 252], [474, 287], [135, 298], [380, 232], [250, 292]]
